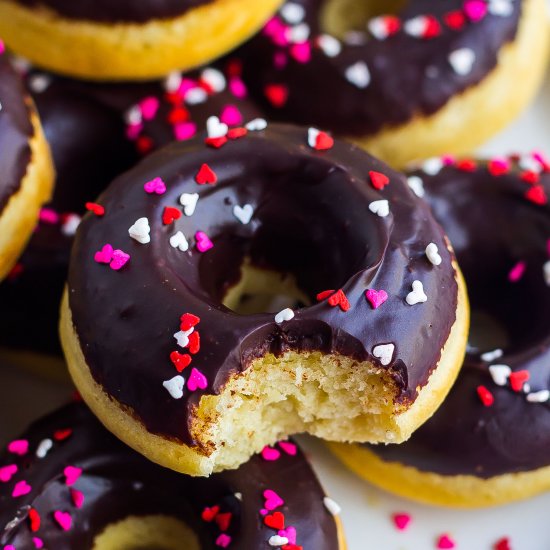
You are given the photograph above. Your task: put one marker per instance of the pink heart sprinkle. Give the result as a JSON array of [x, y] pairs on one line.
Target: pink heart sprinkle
[[237, 88], [264, 512], [105, 255], [272, 500], [184, 130], [445, 542], [516, 273], [2, 47], [38, 543], [149, 107], [203, 242], [401, 521], [156, 186], [48, 215], [196, 380], [223, 540], [77, 498], [270, 454], [289, 533], [9, 547], [19, 447], [7, 472], [72, 474], [376, 297], [288, 447], [133, 131], [475, 9], [231, 116], [63, 519], [120, 259], [301, 52], [280, 60], [21, 488]]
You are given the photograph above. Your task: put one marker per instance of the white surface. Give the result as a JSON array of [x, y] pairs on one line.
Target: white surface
[[366, 510]]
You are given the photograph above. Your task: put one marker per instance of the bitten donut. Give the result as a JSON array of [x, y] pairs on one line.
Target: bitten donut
[[26, 170], [489, 442], [96, 131], [198, 387], [436, 77], [68, 483], [128, 40]]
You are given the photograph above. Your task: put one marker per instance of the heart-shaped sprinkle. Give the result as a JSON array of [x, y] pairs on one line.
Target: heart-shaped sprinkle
[[517, 272], [380, 208], [256, 125], [277, 540], [178, 240], [432, 253], [34, 520], [194, 342], [383, 26], [502, 8], [537, 195], [376, 297], [203, 242], [293, 13], [140, 231], [503, 544], [276, 94], [378, 180], [214, 79], [231, 116], [208, 514], [272, 500], [475, 10], [518, 379], [119, 260], [215, 128], [358, 74], [445, 542], [541, 396], [180, 360], [188, 320], [223, 521], [489, 356], [320, 141], [72, 473], [149, 107], [285, 315], [243, 213], [156, 186], [498, 166], [384, 352], [21, 488], [196, 380], [329, 45], [288, 533], [455, 19], [417, 294], [170, 215], [97, 209], [105, 255], [270, 454], [416, 185], [500, 374], [339, 299], [432, 166], [462, 61], [70, 224], [485, 396], [206, 175], [77, 497], [7, 472], [182, 337], [184, 130], [288, 447], [401, 521], [174, 386], [61, 435], [223, 540], [19, 447], [332, 506], [189, 202], [63, 519], [422, 26], [195, 96], [275, 520]]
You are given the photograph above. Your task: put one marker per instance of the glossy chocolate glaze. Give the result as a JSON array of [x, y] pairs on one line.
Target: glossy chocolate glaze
[[492, 227], [117, 482], [119, 11], [311, 218], [409, 75], [84, 124], [15, 130]]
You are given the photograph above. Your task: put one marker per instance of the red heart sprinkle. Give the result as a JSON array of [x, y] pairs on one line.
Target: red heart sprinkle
[[503, 544], [206, 175], [466, 165], [34, 519], [188, 320], [433, 28], [236, 133], [339, 299], [528, 176], [217, 142], [498, 167], [180, 360], [454, 20], [537, 195], [178, 115], [378, 180], [170, 215], [223, 521], [144, 144], [97, 209], [61, 435], [275, 520], [194, 342], [323, 142], [324, 295], [485, 395], [277, 94], [208, 514], [518, 379]]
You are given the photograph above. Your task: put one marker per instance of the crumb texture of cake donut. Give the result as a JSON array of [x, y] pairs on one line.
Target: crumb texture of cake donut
[[68, 483], [26, 169], [489, 442], [95, 132], [199, 387], [128, 40], [435, 77]]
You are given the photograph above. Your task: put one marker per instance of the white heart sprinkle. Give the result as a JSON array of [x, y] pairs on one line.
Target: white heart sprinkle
[[285, 315], [214, 79], [432, 166], [133, 115], [417, 185], [462, 60], [546, 272], [277, 540], [417, 295], [298, 34], [243, 213], [380, 208], [178, 240], [312, 134], [194, 96], [358, 74], [189, 202], [331, 46], [256, 125], [332, 506], [39, 83], [182, 337], [70, 225], [215, 128], [432, 253], [416, 26], [173, 81], [140, 231], [175, 386], [502, 8], [527, 162], [238, 496], [541, 396], [500, 374], [293, 13], [384, 352], [378, 27], [43, 448], [489, 356]]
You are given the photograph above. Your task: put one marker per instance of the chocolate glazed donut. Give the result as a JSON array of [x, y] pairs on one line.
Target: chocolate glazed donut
[[489, 442], [422, 82], [68, 483], [198, 387]]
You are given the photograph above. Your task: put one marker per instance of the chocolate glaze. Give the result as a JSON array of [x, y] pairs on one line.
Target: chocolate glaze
[[311, 218], [409, 76], [85, 127], [492, 227], [15, 130], [117, 482], [120, 11]]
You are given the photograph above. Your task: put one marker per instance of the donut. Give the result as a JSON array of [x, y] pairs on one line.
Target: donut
[[488, 443], [128, 40], [96, 131], [26, 170], [434, 78], [68, 483], [150, 323]]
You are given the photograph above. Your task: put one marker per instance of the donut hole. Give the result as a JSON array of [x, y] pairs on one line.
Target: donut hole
[[340, 17]]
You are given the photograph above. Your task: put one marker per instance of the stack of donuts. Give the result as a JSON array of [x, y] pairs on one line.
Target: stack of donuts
[[202, 213]]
